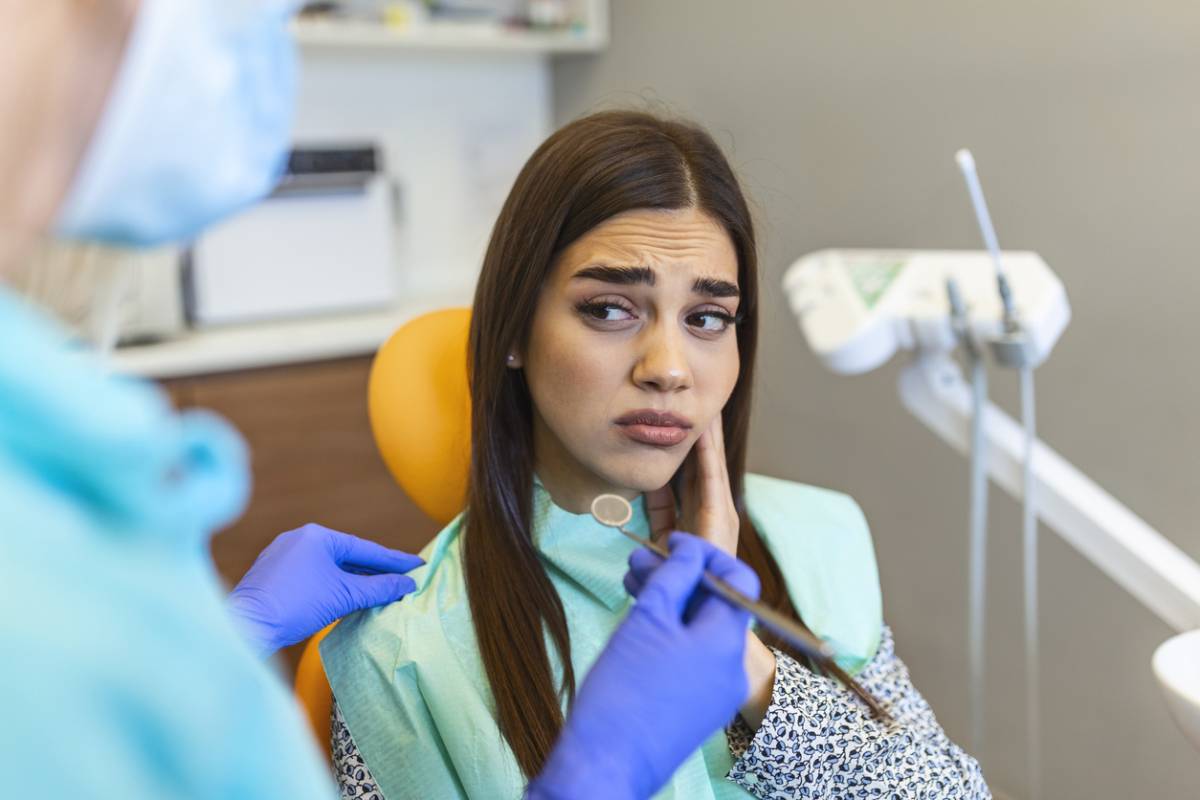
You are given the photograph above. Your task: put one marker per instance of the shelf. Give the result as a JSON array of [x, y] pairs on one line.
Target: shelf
[[275, 343], [476, 37]]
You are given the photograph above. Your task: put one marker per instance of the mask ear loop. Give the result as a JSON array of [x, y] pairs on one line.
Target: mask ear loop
[[108, 309]]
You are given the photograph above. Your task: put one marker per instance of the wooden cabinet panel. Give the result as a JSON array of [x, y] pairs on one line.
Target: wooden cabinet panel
[[314, 459]]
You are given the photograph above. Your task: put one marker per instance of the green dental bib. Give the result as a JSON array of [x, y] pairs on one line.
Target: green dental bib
[[412, 688]]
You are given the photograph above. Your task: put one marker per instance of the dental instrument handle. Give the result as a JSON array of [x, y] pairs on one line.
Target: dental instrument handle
[[777, 623], [966, 163]]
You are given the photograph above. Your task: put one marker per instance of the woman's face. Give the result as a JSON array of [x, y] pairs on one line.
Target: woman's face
[[631, 353]]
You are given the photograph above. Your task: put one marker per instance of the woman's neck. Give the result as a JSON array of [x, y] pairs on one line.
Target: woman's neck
[[574, 497]]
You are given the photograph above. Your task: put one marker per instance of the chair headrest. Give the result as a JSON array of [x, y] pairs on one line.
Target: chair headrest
[[420, 410]]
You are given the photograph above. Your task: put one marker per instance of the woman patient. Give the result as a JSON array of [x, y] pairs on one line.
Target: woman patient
[[612, 350]]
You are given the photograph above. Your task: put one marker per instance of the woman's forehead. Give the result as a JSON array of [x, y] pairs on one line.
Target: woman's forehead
[[667, 241]]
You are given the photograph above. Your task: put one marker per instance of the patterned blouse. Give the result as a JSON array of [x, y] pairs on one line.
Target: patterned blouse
[[817, 740]]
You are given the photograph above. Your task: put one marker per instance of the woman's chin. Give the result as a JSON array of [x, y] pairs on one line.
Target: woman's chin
[[645, 474]]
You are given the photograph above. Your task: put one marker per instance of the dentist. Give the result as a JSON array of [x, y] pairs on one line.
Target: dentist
[[123, 672]]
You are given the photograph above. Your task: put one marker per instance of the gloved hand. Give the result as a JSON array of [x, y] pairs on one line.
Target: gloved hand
[[312, 576], [671, 675]]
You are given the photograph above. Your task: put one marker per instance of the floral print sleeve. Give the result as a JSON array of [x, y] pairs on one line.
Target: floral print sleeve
[[355, 781], [818, 740]]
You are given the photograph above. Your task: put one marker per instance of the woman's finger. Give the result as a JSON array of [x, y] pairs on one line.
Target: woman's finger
[[690, 502], [715, 492], [711, 472], [715, 520], [719, 441]]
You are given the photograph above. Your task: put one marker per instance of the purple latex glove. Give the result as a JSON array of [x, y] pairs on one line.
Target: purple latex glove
[[312, 576], [670, 677]]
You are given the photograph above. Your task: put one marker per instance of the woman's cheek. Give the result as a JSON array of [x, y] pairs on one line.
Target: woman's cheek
[[569, 373], [716, 378]]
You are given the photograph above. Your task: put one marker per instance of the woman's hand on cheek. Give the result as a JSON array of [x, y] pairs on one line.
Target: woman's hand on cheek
[[707, 507]]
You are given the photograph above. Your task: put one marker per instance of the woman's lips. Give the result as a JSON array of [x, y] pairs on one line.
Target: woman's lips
[[657, 428]]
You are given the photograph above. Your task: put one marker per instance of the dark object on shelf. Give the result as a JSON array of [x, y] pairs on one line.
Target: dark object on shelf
[[322, 9]]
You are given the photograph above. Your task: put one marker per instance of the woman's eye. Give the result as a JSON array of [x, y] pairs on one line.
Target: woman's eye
[[605, 311], [711, 321]]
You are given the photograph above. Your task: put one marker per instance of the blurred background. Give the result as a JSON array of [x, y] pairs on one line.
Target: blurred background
[[842, 119]]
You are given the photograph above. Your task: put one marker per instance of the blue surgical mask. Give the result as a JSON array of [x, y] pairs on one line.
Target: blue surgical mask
[[196, 126]]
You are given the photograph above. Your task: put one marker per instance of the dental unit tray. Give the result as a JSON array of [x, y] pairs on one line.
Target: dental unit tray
[[858, 307]]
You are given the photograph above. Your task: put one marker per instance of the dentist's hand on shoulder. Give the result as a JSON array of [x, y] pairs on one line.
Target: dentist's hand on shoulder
[[312, 576]]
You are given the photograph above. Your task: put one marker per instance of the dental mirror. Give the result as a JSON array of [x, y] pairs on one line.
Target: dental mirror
[[612, 510]]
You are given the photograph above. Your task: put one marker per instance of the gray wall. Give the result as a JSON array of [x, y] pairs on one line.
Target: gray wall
[[842, 118]]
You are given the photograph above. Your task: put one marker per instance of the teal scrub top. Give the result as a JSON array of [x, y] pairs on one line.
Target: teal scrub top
[[121, 674], [412, 688]]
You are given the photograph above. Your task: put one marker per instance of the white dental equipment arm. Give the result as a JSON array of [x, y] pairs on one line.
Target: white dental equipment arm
[[1121, 544], [857, 308]]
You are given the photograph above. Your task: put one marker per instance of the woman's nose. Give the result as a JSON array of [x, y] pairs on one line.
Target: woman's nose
[[662, 365]]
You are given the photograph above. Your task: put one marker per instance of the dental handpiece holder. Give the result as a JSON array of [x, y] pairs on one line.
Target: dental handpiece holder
[[858, 308]]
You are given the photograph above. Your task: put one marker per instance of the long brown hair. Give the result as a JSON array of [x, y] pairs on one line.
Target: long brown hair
[[587, 172]]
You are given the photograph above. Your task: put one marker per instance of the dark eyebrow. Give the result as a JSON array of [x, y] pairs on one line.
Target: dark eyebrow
[[715, 288], [626, 276], [630, 276]]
